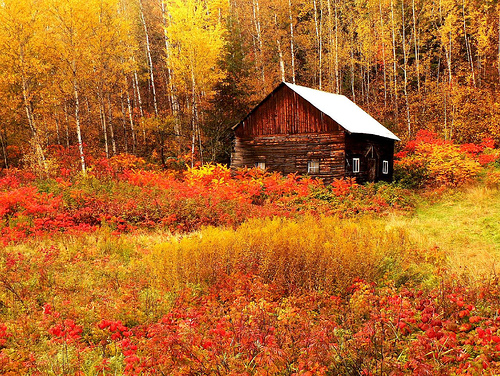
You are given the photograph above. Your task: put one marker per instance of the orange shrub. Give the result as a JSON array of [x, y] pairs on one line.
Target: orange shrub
[[430, 161]]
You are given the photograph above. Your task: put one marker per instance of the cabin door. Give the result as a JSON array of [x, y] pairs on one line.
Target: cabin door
[[372, 169]]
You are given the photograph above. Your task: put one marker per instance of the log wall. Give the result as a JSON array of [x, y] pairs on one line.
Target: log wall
[[371, 151], [291, 153], [285, 132]]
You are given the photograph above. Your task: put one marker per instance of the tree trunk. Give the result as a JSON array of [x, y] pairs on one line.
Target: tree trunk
[[102, 114], [131, 119], [256, 20], [77, 123], [292, 52], [66, 123], [174, 101], [415, 43], [394, 63], [150, 60], [318, 42], [111, 128], [405, 69], [280, 52], [4, 151], [383, 51], [124, 125], [468, 47]]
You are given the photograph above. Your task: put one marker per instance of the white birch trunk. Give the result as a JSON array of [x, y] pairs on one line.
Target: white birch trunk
[[150, 60], [292, 52]]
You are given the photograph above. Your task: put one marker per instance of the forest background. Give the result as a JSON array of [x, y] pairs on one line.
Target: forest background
[[168, 79]]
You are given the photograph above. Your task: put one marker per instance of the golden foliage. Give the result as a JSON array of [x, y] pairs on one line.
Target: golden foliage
[[324, 253]]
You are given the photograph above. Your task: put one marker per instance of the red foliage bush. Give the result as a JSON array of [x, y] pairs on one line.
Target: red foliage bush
[[122, 198], [431, 161]]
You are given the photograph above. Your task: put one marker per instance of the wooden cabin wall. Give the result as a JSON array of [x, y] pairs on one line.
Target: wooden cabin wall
[[369, 149], [285, 112], [290, 153]]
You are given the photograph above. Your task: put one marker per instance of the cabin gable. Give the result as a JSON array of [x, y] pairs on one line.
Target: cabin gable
[[285, 112]]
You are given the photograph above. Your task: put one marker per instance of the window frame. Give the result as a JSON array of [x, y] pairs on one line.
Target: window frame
[[261, 165], [356, 165], [313, 169], [385, 167]]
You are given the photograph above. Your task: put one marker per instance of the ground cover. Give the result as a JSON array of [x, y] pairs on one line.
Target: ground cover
[[132, 271], [464, 224]]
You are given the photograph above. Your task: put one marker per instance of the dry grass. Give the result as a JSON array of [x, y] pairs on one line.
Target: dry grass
[[311, 253]]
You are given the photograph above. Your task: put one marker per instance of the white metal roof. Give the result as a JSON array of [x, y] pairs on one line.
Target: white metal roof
[[345, 112]]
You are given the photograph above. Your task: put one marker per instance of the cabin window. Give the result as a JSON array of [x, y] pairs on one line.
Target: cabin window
[[260, 165], [385, 167], [313, 166], [355, 165]]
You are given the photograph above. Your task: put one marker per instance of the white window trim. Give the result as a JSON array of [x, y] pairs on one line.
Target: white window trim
[[313, 166], [355, 165], [261, 165], [385, 167]]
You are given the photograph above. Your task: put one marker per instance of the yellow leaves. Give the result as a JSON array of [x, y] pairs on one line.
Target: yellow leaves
[[196, 33]]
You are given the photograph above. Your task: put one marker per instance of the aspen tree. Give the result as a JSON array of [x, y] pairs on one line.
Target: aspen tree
[[415, 44], [24, 61], [405, 69], [197, 38], [292, 51], [149, 57], [280, 52], [394, 62], [382, 42]]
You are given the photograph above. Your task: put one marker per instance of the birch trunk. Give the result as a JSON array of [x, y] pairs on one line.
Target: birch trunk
[[405, 69], [318, 41], [124, 125], [394, 63], [111, 127], [77, 124], [292, 52], [468, 47], [66, 116], [383, 51], [102, 114], [131, 120], [280, 52], [150, 60], [170, 75], [415, 43]]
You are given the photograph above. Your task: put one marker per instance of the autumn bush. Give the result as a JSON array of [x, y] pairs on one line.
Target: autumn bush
[[312, 253], [431, 161], [115, 195], [131, 270]]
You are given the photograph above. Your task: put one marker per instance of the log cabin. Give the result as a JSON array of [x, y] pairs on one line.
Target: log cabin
[[296, 129]]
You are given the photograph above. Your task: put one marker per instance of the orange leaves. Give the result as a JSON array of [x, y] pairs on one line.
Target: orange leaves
[[123, 199], [431, 161]]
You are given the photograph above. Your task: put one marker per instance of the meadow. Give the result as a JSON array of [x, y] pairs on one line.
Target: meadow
[[133, 270]]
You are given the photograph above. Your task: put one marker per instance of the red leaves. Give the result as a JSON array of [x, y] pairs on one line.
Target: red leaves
[[203, 196], [66, 331], [431, 161]]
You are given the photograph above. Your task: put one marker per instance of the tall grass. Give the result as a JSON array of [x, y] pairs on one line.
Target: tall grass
[[311, 253]]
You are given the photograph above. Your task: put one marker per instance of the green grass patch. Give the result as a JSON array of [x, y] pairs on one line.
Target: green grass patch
[[464, 224]]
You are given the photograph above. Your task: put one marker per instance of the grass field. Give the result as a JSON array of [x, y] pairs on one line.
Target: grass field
[[464, 224]]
